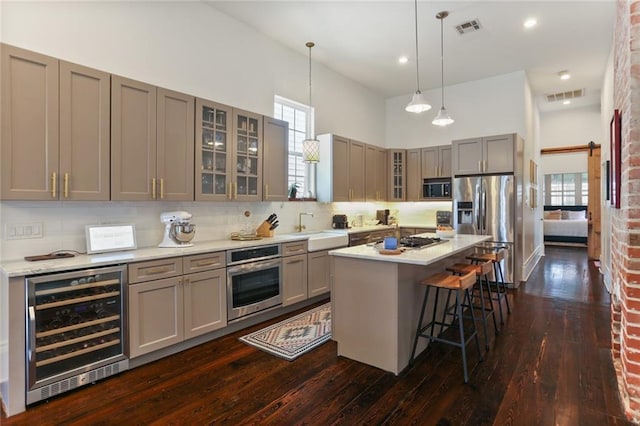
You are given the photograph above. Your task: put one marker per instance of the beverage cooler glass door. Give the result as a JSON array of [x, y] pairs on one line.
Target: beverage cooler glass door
[[74, 325]]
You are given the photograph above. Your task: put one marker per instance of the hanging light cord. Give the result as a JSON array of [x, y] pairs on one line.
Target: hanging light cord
[[310, 45], [417, 64], [442, 57]]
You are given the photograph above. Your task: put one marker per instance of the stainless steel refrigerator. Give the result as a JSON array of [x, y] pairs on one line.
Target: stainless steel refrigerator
[[486, 205]]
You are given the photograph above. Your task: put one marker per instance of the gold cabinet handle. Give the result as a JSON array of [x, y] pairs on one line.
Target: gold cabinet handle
[[66, 185], [229, 194], [185, 281], [266, 191], [153, 188], [54, 185], [162, 188]]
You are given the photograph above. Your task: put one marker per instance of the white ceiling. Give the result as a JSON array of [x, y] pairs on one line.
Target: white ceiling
[[362, 40]]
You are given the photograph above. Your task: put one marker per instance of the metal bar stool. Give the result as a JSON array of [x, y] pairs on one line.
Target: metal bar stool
[[460, 285], [501, 287], [482, 271]]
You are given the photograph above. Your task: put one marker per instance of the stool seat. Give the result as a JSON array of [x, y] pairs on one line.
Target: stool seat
[[465, 268], [444, 280], [496, 256]]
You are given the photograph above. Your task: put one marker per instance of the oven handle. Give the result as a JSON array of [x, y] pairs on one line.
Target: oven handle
[[254, 266]]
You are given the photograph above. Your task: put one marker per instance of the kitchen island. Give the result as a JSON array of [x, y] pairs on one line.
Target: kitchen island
[[376, 298]]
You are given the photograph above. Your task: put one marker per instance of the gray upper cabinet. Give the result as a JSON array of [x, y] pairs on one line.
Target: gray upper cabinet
[[152, 151], [84, 133], [436, 161], [229, 153], [414, 175], [341, 170], [491, 154], [275, 162], [375, 173], [55, 129]]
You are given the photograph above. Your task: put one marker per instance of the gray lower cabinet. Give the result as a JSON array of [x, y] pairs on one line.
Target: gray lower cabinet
[[319, 273], [294, 272], [164, 311]]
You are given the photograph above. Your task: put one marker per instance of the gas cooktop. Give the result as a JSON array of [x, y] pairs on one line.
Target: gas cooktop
[[416, 242]]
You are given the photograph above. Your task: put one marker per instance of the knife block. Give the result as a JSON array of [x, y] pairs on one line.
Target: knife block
[[263, 230]]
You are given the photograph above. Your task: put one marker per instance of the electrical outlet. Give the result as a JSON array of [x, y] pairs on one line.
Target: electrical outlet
[[20, 231]]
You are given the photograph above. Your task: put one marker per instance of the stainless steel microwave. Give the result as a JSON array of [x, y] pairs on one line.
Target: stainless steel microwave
[[440, 188]]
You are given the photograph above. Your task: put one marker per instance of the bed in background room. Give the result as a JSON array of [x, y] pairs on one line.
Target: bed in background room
[[565, 224]]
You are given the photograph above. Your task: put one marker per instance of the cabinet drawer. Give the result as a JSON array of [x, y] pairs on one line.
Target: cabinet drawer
[[155, 269], [203, 262], [297, 247]]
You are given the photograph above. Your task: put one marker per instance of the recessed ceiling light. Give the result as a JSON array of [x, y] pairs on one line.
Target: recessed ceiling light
[[403, 60], [530, 23], [566, 102], [564, 75]]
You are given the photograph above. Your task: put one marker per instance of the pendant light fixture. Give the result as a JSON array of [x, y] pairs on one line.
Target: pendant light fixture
[[418, 104], [311, 145], [442, 119]]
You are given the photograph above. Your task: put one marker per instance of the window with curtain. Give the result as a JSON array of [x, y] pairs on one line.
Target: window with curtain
[[299, 116], [566, 189]]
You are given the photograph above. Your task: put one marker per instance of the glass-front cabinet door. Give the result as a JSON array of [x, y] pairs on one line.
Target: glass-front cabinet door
[[248, 156], [398, 174], [228, 153]]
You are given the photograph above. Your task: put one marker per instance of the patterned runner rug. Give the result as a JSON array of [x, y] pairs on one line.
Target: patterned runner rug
[[293, 337]]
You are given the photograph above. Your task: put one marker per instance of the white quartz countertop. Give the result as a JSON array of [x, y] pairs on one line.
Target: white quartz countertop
[[416, 256], [15, 268]]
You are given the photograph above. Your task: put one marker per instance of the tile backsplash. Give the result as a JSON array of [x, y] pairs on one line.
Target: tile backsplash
[[63, 223]]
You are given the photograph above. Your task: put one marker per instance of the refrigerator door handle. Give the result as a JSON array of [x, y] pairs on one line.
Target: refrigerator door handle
[[484, 210], [478, 211]]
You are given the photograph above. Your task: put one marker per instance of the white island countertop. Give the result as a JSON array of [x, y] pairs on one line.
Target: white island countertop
[[415, 256]]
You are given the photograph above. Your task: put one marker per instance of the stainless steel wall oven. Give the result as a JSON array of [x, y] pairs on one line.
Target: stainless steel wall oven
[[75, 329], [254, 280]]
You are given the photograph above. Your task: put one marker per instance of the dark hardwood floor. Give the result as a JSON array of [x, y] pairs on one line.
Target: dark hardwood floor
[[550, 365]]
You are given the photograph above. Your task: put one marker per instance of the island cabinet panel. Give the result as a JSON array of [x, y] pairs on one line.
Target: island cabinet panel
[[319, 273]]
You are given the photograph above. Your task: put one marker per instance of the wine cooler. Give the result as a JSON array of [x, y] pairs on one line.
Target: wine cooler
[[75, 330]]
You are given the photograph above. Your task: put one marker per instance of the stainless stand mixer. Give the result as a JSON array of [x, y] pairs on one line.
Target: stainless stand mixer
[[178, 231]]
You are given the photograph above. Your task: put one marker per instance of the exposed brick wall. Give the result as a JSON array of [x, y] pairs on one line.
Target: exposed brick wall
[[625, 222]]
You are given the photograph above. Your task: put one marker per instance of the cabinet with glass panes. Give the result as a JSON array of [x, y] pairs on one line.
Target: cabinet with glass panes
[[228, 153], [397, 174]]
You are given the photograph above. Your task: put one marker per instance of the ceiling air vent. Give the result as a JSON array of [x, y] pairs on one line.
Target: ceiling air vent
[[572, 94], [468, 27]]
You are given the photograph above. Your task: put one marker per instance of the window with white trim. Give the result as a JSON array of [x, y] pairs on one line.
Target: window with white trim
[[566, 189], [299, 116]]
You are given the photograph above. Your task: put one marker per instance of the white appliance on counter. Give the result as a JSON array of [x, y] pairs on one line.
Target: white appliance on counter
[[178, 230]]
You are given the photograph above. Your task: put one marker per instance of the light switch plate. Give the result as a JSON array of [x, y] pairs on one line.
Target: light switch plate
[[21, 231]]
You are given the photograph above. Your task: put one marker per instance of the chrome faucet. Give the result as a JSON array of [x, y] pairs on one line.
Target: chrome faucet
[[300, 226]]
